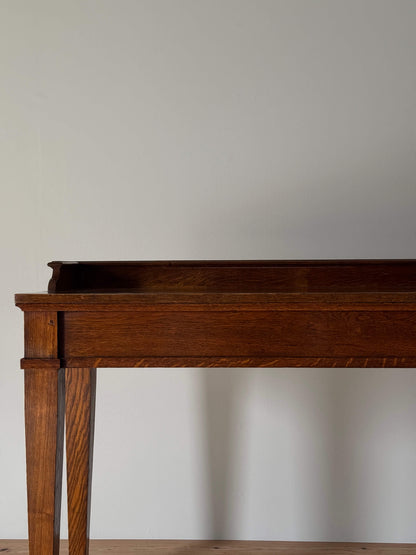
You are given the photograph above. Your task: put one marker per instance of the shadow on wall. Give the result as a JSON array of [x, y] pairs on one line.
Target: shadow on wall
[[223, 388], [310, 454], [328, 472]]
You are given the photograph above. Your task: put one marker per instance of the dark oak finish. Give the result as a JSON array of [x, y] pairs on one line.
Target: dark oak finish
[[235, 362], [44, 422], [244, 276], [232, 333], [341, 313], [211, 302], [41, 337], [80, 385]]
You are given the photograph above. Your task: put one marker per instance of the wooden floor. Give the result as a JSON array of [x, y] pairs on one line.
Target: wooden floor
[[185, 547]]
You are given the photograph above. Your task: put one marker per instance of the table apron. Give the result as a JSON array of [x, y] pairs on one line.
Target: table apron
[[265, 333]]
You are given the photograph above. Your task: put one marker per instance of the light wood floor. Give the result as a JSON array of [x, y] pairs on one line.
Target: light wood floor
[[185, 547]]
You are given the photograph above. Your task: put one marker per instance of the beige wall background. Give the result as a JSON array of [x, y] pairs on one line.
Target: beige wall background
[[186, 129]]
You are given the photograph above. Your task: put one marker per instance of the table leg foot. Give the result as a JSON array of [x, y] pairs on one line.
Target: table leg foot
[[44, 424], [80, 412]]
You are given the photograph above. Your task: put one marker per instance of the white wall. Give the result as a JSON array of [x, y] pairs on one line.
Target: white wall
[[190, 129]]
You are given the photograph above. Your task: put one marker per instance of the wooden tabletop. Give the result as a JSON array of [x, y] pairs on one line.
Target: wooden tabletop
[[322, 284]]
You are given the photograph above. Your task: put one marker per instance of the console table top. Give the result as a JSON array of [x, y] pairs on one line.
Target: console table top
[[79, 285], [248, 314]]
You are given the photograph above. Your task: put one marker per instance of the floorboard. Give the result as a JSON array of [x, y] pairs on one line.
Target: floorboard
[[185, 547]]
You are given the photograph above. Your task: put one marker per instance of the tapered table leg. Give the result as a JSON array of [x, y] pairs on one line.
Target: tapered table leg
[[80, 413], [44, 423]]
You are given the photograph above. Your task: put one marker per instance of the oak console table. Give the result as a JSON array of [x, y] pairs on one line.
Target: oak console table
[[341, 313]]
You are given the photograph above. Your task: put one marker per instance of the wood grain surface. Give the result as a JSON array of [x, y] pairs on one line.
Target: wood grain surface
[[185, 547], [235, 333], [80, 386], [41, 334], [44, 420], [235, 362], [90, 301], [235, 275]]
